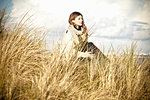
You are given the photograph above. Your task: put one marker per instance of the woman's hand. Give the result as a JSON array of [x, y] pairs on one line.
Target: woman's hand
[[86, 54], [89, 54]]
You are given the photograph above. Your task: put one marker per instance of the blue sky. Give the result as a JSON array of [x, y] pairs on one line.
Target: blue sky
[[6, 4], [116, 22]]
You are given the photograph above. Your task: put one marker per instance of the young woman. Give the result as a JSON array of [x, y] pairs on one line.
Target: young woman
[[75, 39]]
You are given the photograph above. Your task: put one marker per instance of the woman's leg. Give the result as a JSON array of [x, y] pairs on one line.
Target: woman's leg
[[90, 47], [94, 50]]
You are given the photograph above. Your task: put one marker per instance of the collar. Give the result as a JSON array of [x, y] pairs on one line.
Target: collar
[[78, 32]]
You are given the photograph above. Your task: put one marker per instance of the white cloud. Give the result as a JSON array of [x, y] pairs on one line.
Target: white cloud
[[143, 14]]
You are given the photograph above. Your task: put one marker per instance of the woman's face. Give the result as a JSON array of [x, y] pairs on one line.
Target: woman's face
[[78, 20]]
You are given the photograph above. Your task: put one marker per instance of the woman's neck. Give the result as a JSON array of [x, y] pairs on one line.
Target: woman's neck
[[77, 27]]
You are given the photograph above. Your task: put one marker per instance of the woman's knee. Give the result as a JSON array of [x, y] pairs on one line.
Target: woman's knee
[[90, 43]]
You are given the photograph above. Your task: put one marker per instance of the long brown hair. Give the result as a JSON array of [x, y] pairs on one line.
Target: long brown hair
[[73, 16]]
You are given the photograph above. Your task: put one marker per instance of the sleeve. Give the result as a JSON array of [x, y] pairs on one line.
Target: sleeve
[[68, 47]]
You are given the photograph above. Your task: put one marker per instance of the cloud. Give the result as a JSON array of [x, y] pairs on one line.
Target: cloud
[[143, 14], [50, 13], [141, 30]]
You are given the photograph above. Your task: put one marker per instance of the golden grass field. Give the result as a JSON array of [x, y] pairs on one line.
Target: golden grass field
[[28, 71]]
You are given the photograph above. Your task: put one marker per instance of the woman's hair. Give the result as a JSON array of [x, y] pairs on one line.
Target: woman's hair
[[73, 16]]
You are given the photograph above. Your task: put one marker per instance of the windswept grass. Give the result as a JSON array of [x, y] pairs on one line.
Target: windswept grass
[[28, 71]]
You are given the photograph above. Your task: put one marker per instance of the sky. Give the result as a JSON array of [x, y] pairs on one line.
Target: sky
[[113, 23]]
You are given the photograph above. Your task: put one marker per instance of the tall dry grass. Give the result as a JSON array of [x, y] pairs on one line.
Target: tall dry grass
[[29, 71]]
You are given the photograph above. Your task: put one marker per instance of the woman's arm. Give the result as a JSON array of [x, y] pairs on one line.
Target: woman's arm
[[85, 54]]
